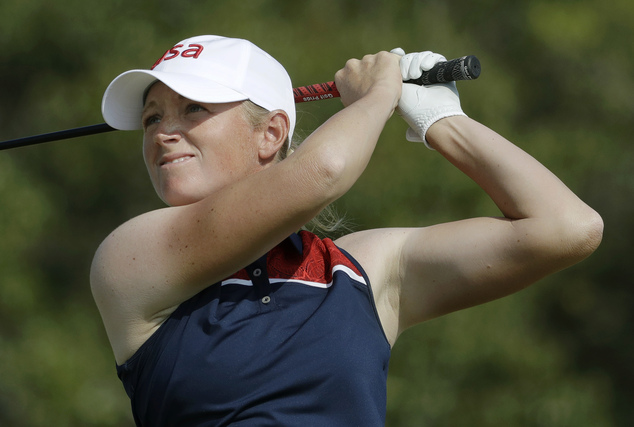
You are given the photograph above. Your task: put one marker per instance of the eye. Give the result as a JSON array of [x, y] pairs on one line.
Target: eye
[[195, 108], [151, 120]]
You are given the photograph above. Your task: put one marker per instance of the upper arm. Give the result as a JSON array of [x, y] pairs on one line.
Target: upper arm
[[453, 266], [422, 273]]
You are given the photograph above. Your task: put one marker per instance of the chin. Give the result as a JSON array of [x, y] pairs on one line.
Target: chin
[[187, 191], [179, 198], [181, 192]]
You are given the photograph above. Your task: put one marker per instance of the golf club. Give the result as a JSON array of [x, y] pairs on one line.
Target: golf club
[[463, 68]]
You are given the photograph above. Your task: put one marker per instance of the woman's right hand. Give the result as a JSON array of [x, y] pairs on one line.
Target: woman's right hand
[[374, 74]]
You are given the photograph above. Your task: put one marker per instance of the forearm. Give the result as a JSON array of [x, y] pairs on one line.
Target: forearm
[[545, 212], [519, 185], [342, 147]]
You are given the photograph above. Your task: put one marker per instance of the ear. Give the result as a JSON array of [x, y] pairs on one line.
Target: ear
[[273, 135]]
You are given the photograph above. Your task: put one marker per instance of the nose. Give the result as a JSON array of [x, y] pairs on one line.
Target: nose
[[169, 130]]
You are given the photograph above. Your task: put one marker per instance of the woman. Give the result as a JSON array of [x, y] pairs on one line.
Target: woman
[[216, 316]]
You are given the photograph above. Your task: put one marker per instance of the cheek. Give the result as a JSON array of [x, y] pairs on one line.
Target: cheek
[[149, 149], [149, 153], [148, 145], [235, 151]]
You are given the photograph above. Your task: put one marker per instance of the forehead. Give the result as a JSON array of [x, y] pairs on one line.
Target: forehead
[[159, 96], [158, 89]]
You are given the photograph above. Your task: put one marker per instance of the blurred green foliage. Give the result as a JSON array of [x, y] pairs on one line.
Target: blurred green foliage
[[557, 80]]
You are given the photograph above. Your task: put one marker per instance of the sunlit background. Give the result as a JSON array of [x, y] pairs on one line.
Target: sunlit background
[[557, 79]]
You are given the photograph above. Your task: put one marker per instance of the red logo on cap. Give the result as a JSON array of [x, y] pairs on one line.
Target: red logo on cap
[[192, 51]]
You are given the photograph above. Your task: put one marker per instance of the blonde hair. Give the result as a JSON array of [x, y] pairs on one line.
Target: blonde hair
[[328, 223]]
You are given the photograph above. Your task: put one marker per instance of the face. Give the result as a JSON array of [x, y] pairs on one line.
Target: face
[[192, 149]]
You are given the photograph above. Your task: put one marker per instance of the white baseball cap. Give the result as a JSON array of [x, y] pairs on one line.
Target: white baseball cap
[[209, 69]]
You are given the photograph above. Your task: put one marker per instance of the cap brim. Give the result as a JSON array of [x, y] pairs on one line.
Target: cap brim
[[122, 103]]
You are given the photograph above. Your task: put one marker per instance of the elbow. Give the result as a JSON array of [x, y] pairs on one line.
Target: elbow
[[336, 177], [562, 240], [586, 234], [594, 231], [316, 183], [328, 177]]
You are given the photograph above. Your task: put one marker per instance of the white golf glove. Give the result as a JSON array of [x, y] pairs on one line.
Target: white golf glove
[[422, 106]]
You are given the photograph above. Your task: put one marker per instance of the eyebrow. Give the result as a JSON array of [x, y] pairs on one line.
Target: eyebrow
[[148, 105]]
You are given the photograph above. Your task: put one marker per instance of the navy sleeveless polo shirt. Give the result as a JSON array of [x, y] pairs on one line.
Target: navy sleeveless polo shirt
[[293, 339]]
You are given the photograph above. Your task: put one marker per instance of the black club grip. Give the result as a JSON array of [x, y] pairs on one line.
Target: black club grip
[[464, 68]]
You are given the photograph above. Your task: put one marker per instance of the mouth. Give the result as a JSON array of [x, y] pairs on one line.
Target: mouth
[[172, 160]]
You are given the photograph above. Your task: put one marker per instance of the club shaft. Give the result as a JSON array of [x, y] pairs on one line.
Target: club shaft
[[302, 94], [56, 136], [465, 68]]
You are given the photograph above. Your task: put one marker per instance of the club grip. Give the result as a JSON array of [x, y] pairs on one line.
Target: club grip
[[464, 68]]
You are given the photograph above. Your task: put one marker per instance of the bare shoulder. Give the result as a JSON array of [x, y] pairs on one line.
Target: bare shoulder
[[147, 267], [125, 280], [151, 264], [372, 245], [126, 260], [379, 251]]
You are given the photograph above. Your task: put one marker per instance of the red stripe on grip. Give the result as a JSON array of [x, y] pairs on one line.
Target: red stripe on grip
[[315, 92]]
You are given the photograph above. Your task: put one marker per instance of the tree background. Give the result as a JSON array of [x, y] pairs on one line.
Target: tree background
[[557, 80]]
